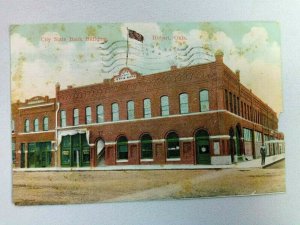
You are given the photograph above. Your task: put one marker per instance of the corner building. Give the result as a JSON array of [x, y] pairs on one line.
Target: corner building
[[200, 114]]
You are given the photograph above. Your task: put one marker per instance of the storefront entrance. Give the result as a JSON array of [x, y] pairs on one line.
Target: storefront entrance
[[75, 151], [202, 147], [39, 154]]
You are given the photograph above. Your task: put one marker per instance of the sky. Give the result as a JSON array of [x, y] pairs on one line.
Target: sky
[[82, 54]]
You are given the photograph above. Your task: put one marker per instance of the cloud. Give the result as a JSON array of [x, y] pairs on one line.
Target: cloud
[[256, 38], [38, 67]]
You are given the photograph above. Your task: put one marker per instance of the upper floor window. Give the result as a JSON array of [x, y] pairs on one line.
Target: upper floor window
[[75, 117], [230, 102], [88, 115], [242, 109], [184, 103], [238, 106], [147, 108], [115, 111], [63, 118], [100, 114], [26, 125], [204, 101], [130, 110], [164, 103], [234, 104], [226, 99], [36, 125], [45, 123]]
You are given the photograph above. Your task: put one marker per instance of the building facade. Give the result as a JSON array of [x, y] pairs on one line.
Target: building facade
[[199, 114]]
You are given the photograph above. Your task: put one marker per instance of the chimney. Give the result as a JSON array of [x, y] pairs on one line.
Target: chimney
[[57, 86], [173, 67], [219, 56], [237, 72]]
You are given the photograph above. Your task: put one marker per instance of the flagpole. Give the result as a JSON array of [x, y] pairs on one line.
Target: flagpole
[[127, 48]]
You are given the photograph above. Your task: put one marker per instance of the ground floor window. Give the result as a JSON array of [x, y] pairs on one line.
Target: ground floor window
[[122, 148], [173, 150], [22, 155], [146, 146], [13, 145], [39, 154], [75, 151]]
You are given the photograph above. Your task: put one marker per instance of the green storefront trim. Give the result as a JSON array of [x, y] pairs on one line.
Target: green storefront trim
[[75, 150], [39, 154]]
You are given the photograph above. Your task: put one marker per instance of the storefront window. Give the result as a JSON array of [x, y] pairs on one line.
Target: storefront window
[[173, 146], [122, 148], [146, 145]]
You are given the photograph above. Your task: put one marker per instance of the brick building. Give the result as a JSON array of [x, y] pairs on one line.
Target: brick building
[[199, 114], [33, 132]]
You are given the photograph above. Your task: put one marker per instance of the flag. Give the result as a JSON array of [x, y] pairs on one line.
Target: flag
[[135, 35]]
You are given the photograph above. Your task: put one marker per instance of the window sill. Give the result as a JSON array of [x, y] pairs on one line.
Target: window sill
[[146, 160], [122, 160], [174, 160]]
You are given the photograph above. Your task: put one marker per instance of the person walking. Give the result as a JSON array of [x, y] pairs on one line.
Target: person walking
[[263, 154]]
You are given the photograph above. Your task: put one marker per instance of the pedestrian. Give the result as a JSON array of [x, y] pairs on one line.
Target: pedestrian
[[263, 154]]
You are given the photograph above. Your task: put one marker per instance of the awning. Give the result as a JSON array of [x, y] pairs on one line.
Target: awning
[[64, 133]]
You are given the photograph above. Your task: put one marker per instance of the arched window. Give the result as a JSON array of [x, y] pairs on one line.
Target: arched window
[[45, 123], [75, 117], [115, 111], [204, 101], [26, 125], [147, 108], [238, 106], [184, 103], [226, 99], [122, 148], [202, 147], [230, 102], [173, 150], [36, 125], [164, 103], [130, 110], [100, 114], [146, 147], [63, 118], [88, 115], [234, 104], [242, 108]]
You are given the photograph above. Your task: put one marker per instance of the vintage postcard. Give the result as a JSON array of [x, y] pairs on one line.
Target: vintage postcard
[[145, 111]]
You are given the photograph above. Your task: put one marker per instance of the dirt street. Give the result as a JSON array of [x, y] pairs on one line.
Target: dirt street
[[31, 188]]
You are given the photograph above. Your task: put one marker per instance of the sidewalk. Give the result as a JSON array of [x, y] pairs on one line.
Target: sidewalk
[[256, 163]]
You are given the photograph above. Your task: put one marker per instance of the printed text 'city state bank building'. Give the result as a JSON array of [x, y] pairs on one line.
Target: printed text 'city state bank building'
[[199, 114]]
